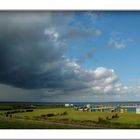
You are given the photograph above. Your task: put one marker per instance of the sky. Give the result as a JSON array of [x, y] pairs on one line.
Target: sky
[[69, 56]]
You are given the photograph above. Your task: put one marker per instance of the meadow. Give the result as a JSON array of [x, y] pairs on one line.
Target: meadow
[[62, 118], [14, 123]]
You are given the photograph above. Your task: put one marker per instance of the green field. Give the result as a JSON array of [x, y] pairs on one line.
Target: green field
[[71, 119], [6, 123]]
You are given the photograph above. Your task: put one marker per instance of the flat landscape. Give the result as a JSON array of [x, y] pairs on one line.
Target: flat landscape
[[64, 118], [69, 69]]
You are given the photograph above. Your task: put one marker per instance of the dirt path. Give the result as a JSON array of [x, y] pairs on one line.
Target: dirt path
[[66, 124], [75, 125]]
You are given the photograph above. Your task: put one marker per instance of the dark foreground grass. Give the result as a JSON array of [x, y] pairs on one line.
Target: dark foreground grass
[[7, 123]]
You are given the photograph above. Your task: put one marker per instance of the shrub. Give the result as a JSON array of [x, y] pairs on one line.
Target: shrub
[[29, 110], [57, 114], [64, 119], [50, 115], [43, 116], [116, 115], [113, 116], [64, 113], [100, 119], [107, 118]]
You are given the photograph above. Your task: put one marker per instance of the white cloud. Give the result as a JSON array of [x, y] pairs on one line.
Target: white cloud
[[118, 41], [111, 79], [51, 32], [103, 72]]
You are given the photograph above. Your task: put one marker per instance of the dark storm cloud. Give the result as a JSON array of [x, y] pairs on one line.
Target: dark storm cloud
[[28, 57], [32, 56]]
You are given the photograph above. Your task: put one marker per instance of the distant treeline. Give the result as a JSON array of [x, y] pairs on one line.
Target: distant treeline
[[19, 111], [12, 107], [26, 106]]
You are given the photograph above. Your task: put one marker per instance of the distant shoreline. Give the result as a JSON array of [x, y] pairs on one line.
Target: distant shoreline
[[75, 103]]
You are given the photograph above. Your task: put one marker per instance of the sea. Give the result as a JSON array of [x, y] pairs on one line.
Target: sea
[[75, 103]]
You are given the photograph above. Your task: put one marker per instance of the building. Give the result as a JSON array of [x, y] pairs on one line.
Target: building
[[138, 110], [102, 109], [121, 109], [71, 104], [129, 108], [67, 105], [88, 105]]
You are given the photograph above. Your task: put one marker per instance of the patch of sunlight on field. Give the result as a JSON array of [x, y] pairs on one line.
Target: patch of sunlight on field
[[72, 114], [128, 118], [39, 112]]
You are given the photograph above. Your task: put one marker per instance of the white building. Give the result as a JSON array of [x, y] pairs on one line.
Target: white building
[[88, 105], [67, 105], [138, 110]]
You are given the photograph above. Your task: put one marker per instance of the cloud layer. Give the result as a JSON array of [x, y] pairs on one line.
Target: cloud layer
[[32, 56]]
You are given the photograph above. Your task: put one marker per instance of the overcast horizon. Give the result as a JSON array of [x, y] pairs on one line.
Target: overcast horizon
[[69, 56]]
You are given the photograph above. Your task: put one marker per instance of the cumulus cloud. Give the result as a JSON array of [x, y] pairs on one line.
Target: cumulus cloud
[[105, 80]]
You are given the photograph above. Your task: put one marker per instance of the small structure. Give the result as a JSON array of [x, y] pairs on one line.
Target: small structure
[[80, 109], [122, 110], [94, 109], [84, 109], [138, 110], [67, 105], [33, 106], [128, 108], [88, 105], [102, 109], [71, 104], [113, 110]]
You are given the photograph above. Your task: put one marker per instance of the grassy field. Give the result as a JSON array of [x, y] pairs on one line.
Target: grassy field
[[39, 119], [7, 123]]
